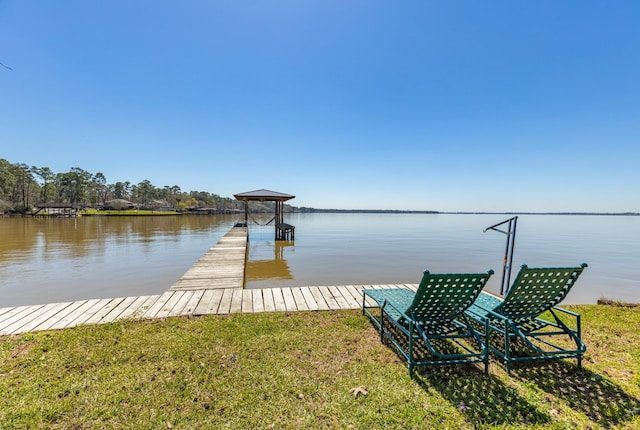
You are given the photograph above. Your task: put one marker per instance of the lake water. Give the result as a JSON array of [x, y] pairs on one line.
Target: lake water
[[51, 260]]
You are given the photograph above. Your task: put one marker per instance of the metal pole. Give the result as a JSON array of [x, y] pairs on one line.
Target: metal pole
[[508, 251], [512, 237], [505, 262]]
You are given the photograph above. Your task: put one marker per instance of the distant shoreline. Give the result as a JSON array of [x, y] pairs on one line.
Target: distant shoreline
[[392, 211]]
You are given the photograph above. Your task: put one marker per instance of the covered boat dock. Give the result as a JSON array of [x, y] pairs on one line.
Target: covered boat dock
[[283, 231]]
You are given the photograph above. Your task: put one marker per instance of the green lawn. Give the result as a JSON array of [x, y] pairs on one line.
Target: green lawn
[[303, 370]]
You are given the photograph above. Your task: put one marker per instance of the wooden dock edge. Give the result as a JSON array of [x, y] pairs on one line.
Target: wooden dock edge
[[23, 319]]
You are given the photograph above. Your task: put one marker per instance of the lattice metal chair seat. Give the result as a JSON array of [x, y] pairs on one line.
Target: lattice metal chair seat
[[529, 313], [435, 312]]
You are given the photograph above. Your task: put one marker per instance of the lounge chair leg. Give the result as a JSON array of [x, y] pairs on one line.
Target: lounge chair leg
[[411, 349], [486, 347], [507, 350]]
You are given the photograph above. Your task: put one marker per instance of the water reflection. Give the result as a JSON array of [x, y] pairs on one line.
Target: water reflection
[[56, 259], [81, 236], [276, 268]]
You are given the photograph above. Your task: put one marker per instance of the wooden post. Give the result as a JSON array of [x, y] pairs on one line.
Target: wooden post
[[278, 220]]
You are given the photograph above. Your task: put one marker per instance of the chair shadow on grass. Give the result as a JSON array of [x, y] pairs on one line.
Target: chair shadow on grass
[[601, 400], [483, 399]]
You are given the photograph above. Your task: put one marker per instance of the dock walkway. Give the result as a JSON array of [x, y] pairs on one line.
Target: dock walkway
[[24, 319], [214, 285], [221, 267]]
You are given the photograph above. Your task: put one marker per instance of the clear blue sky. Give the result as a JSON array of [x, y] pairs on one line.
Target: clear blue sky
[[425, 105]]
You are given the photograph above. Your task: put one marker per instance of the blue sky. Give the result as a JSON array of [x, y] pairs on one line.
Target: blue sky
[[425, 105]]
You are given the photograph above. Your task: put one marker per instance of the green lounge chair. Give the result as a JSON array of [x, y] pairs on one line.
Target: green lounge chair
[[433, 314], [529, 313]]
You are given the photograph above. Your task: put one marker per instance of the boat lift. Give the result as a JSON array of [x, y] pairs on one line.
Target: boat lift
[[508, 252]]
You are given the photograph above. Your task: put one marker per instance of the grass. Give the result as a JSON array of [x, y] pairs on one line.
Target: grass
[[303, 370]]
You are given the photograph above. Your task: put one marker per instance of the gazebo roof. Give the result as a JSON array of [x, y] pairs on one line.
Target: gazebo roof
[[263, 195]]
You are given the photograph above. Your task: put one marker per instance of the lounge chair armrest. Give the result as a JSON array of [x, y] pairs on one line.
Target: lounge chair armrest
[[566, 311], [576, 317]]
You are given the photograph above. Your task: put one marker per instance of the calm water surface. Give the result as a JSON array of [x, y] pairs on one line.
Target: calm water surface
[[335, 249], [45, 260], [51, 260]]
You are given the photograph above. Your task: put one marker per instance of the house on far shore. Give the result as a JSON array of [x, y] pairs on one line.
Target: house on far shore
[[120, 204], [159, 206]]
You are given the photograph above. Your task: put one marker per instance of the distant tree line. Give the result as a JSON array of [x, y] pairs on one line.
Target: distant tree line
[[24, 187]]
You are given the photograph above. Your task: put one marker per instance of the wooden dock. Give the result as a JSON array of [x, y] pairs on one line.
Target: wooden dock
[[221, 267], [213, 285], [24, 319]]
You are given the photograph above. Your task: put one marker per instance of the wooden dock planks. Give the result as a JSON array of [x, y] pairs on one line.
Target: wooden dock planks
[[219, 268], [183, 303]]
